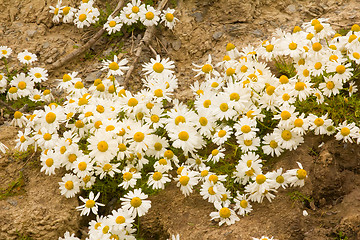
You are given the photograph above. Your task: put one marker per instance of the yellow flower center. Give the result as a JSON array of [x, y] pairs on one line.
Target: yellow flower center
[[17, 115], [206, 68], [47, 136], [285, 115], [286, 135], [292, 46], [132, 102], [214, 152], [127, 176], [112, 24], [13, 90], [135, 9], [155, 118], [301, 174], [296, 29], [72, 158], [318, 27], [158, 93], [82, 17], [158, 67], [184, 136], [224, 107], [250, 172], [199, 92], [66, 78], [319, 122], [230, 71], [246, 129], [69, 185], [269, 48], [299, 86], [82, 101], [49, 162], [352, 38], [149, 15], [243, 69], [79, 124], [207, 103], [203, 121], [356, 55], [46, 92], [213, 178], [82, 166], [306, 73], [286, 97], [97, 124], [211, 191], [139, 136], [90, 203], [111, 89], [169, 154], [230, 47], [225, 212], [273, 144], [106, 229], [345, 131], [122, 147], [214, 85], [248, 142], [243, 203], [120, 220], [22, 139], [260, 179], [355, 28], [4, 51], [102, 146], [66, 10], [37, 97], [169, 17], [204, 173], [330, 85], [184, 180], [316, 46], [270, 90], [340, 69], [157, 176], [107, 167], [79, 85], [162, 161], [113, 66], [179, 119], [27, 58], [280, 179], [298, 122], [38, 75], [22, 85], [109, 128], [234, 96], [221, 133], [158, 146]]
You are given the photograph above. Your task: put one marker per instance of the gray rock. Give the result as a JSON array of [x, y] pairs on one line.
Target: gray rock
[[290, 9], [217, 35], [30, 33], [257, 33], [176, 45], [46, 45], [107, 51], [12, 202], [92, 76], [198, 16]]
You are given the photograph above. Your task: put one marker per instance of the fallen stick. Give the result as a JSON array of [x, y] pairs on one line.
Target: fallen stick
[[144, 41], [7, 106], [86, 46]]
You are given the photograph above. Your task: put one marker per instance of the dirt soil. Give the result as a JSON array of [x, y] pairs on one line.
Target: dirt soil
[[39, 211]]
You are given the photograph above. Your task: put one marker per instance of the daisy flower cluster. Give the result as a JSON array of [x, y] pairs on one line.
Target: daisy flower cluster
[[134, 12], [241, 111], [25, 83]]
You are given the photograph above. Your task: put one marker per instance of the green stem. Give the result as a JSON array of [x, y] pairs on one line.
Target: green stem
[[6, 65]]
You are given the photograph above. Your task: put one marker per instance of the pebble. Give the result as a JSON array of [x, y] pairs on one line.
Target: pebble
[[30, 33], [257, 33], [46, 45], [12, 202], [217, 35], [198, 16], [92, 76], [290, 9], [176, 45]]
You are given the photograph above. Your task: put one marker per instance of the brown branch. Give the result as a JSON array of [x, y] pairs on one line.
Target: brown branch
[[86, 46], [7, 106], [144, 41]]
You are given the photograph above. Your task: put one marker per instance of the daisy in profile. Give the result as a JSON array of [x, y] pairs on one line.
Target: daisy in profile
[[27, 57], [148, 15], [224, 214], [19, 120], [187, 179], [135, 201], [113, 24], [115, 67], [242, 204], [5, 52], [347, 132], [296, 177], [121, 218], [167, 17], [129, 178], [68, 14], [207, 69], [57, 11], [69, 185], [157, 180], [3, 83], [90, 204], [159, 68], [38, 74]]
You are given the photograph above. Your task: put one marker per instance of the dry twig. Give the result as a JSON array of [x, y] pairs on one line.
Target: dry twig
[[85, 47], [144, 41], [7, 106]]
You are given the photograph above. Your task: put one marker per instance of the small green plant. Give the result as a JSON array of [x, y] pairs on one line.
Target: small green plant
[[298, 196], [13, 188], [341, 236]]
